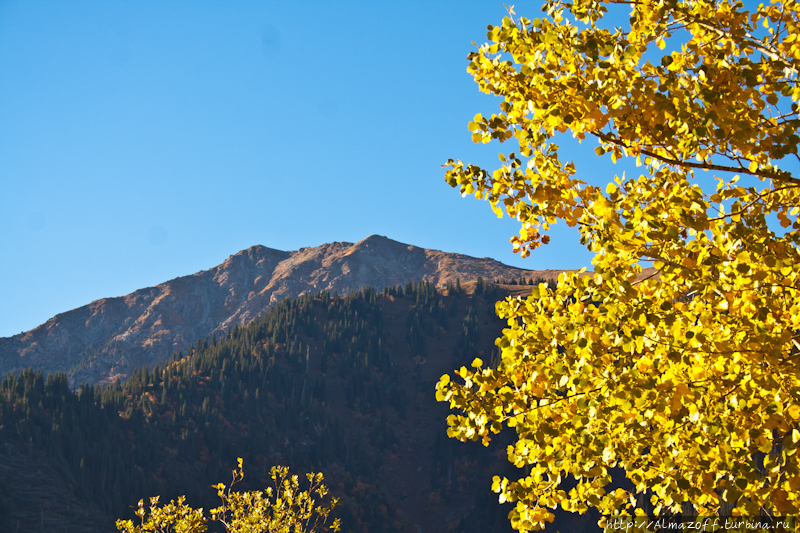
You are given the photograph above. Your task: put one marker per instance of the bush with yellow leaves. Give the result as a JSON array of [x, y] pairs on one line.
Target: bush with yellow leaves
[[283, 508]]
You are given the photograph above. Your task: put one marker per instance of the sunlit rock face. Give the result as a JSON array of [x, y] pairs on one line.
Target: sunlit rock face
[[109, 338]]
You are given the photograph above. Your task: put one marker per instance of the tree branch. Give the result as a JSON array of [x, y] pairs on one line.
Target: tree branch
[[750, 204], [776, 176]]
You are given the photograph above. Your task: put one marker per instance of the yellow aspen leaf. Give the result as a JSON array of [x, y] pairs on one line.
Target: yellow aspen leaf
[[608, 455]]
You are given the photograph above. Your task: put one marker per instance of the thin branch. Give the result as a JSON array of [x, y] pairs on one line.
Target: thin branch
[[750, 204], [780, 177], [748, 39], [537, 406], [651, 276], [656, 257]]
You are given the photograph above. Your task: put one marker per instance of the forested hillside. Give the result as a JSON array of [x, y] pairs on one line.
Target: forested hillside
[[338, 384]]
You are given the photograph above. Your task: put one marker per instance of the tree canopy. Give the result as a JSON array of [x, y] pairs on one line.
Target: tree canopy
[[686, 379]]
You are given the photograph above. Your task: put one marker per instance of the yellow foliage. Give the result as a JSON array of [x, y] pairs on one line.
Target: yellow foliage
[[283, 508], [687, 379]]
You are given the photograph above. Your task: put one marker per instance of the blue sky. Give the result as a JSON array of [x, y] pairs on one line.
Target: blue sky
[[145, 140]]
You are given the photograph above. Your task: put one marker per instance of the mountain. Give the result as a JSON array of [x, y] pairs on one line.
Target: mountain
[[342, 385], [112, 337]]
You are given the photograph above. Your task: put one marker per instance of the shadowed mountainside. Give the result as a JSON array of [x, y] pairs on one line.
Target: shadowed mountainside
[[111, 337]]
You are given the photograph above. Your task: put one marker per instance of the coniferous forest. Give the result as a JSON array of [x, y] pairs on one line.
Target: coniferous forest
[[341, 384]]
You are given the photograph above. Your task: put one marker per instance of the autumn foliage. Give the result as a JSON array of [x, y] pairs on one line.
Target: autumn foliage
[[687, 379], [284, 508]]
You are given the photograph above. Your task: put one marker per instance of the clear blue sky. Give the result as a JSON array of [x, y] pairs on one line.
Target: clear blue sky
[[145, 140]]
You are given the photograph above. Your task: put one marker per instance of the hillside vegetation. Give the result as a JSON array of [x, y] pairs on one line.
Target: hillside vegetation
[[338, 384]]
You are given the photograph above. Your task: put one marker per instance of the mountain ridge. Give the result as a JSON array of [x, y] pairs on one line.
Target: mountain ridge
[[109, 338]]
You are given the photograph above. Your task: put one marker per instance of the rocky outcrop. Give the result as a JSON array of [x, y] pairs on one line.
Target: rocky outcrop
[[109, 338]]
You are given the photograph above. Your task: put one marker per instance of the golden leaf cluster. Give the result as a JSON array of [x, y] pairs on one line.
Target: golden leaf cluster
[[688, 379], [284, 508]]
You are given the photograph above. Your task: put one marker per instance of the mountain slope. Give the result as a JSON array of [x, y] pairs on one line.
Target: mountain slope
[[111, 337], [342, 385]]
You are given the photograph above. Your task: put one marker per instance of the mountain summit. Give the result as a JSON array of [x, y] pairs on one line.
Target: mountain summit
[[111, 337]]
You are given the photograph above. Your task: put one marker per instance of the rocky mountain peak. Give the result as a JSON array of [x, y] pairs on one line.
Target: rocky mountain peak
[[109, 338]]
